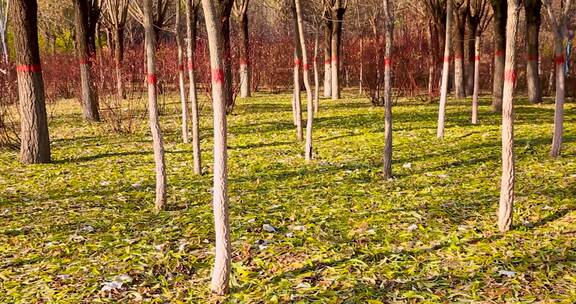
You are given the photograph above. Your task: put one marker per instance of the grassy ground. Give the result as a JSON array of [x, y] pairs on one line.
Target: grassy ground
[[343, 234]]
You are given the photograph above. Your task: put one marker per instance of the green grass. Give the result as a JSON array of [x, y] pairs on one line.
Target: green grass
[[343, 234]]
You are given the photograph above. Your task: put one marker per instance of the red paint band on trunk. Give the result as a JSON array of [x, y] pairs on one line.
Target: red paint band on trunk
[[477, 58], [151, 79], [559, 59], [218, 76], [387, 61], [84, 61], [327, 61], [446, 58], [458, 57], [306, 67], [335, 59], [297, 63], [31, 68], [498, 53], [510, 76], [243, 62], [190, 66], [532, 58]]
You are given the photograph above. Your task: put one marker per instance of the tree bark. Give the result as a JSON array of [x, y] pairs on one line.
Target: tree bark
[[222, 260], [89, 98], [296, 104], [191, 21], [507, 183], [34, 137], [305, 67], [224, 9], [327, 56], [338, 20], [445, 73], [460, 26], [470, 61], [532, 10], [476, 90], [316, 76], [181, 76], [118, 35], [150, 41], [389, 35], [500, 10], [244, 56]]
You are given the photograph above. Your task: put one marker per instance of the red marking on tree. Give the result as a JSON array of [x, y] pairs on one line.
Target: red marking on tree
[[334, 58], [190, 66], [559, 60], [327, 61], [458, 57], [387, 61], [151, 79], [446, 58], [31, 68], [510, 76], [243, 61], [297, 63], [84, 60], [532, 58], [306, 67], [498, 53], [477, 57], [218, 76]]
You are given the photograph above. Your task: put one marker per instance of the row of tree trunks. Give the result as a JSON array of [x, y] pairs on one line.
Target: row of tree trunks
[[34, 137]]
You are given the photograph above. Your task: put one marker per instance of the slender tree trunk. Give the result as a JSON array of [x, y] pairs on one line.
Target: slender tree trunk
[[244, 57], [389, 35], [222, 259], [153, 106], [335, 47], [191, 20], [532, 10], [34, 138], [89, 98], [560, 93], [118, 58], [470, 61], [305, 67], [434, 55], [476, 91], [3, 30], [459, 78], [316, 76], [327, 57], [445, 73], [499, 8], [224, 9], [507, 182], [181, 76], [296, 95]]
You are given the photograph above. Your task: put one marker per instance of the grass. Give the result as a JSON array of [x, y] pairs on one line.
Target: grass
[[343, 234]]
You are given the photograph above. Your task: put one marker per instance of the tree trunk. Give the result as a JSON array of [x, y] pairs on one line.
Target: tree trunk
[[316, 76], [181, 76], [507, 182], [34, 138], [335, 47], [389, 35], [89, 98], [327, 56], [118, 58], [460, 26], [499, 8], [445, 73], [470, 61], [296, 94], [560, 93], [244, 57], [222, 259], [476, 91], [155, 130], [224, 9], [3, 30], [191, 21], [532, 10], [433, 56], [305, 67]]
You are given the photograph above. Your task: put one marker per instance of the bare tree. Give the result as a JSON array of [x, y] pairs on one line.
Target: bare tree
[[115, 16], [436, 12], [224, 9], [222, 260], [558, 18], [336, 8], [296, 104], [34, 137], [507, 183], [461, 8], [241, 12], [532, 9], [192, 7], [158, 144], [445, 73], [389, 35], [4, 8], [327, 53], [86, 12], [181, 76], [499, 8], [478, 20]]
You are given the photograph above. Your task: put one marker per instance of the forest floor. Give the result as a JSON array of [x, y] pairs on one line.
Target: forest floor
[[82, 228]]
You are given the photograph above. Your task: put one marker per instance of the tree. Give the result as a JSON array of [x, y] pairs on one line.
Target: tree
[[241, 13], [34, 137], [224, 9], [558, 19], [478, 20], [150, 41], [116, 13], [507, 183], [181, 76], [436, 12], [296, 104], [389, 35], [499, 8], [86, 11], [336, 8], [192, 7], [445, 72], [222, 259], [4, 8], [305, 74], [327, 54], [532, 9], [461, 8]]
